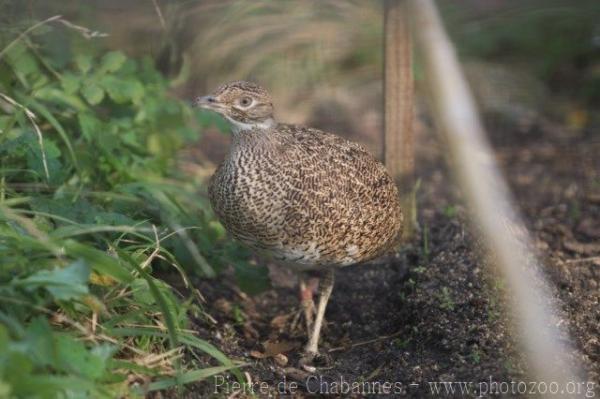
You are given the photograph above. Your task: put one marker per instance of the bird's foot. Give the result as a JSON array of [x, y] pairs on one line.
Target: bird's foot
[[310, 361]]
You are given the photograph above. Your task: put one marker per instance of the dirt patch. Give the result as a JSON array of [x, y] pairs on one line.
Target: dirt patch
[[435, 313]]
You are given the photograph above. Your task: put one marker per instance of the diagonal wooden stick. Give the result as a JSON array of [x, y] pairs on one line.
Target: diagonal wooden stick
[[532, 306]]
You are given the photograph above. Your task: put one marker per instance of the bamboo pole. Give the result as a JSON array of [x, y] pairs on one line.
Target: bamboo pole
[[533, 307], [398, 142]]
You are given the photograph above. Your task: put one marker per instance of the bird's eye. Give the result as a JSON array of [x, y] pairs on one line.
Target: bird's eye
[[245, 101]]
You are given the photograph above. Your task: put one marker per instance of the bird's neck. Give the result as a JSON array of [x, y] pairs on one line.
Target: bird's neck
[[238, 127], [260, 140]]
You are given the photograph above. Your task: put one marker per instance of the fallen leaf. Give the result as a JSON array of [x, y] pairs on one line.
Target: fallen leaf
[[257, 355], [273, 348]]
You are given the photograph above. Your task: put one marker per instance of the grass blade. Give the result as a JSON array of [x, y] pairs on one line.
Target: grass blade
[[188, 377], [185, 339]]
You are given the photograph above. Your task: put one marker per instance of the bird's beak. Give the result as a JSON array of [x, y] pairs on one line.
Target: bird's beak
[[207, 102]]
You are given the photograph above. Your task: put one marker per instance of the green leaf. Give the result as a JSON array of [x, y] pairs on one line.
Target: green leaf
[[72, 356], [39, 82], [58, 127], [99, 260], [20, 368], [70, 82], [64, 210], [122, 90], [60, 98], [206, 118], [38, 341], [112, 61], [35, 161], [160, 297], [92, 93], [90, 125], [141, 292], [98, 214], [55, 386], [22, 61], [64, 284], [51, 149], [83, 62], [4, 390], [3, 339]]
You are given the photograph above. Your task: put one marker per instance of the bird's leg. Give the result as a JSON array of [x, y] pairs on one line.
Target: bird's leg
[[325, 289], [307, 303]]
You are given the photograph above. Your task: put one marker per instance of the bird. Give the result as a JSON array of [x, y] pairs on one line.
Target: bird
[[312, 200]]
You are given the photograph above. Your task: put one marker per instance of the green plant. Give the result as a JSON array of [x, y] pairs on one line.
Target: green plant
[[475, 355], [445, 298], [402, 343], [450, 211], [93, 210]]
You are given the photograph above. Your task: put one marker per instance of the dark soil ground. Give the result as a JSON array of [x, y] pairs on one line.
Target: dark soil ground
[[435, 314]]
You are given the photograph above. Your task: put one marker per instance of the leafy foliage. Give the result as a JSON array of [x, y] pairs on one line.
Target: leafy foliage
[[92, 206]]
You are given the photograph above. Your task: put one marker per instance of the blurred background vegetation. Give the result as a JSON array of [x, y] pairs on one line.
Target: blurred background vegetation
[[103, 162]]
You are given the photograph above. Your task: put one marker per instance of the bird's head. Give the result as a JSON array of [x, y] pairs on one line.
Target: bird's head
[[246, 105]]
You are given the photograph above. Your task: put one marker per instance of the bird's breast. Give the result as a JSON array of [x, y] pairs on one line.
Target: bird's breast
[[309, 213], [246, 196]]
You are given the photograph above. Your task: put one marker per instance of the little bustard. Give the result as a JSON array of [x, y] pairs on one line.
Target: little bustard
[[313, 200]]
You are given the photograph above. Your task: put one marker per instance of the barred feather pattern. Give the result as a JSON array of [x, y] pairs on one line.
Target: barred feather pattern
[[311, 199]]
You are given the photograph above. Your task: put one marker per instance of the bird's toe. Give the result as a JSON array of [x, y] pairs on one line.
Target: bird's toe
[[310, 361]]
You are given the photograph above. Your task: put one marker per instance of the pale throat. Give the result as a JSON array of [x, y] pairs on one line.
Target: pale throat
[[237, 126]]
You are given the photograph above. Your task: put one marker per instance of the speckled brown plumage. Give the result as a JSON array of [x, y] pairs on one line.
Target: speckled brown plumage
[[310, 198]]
